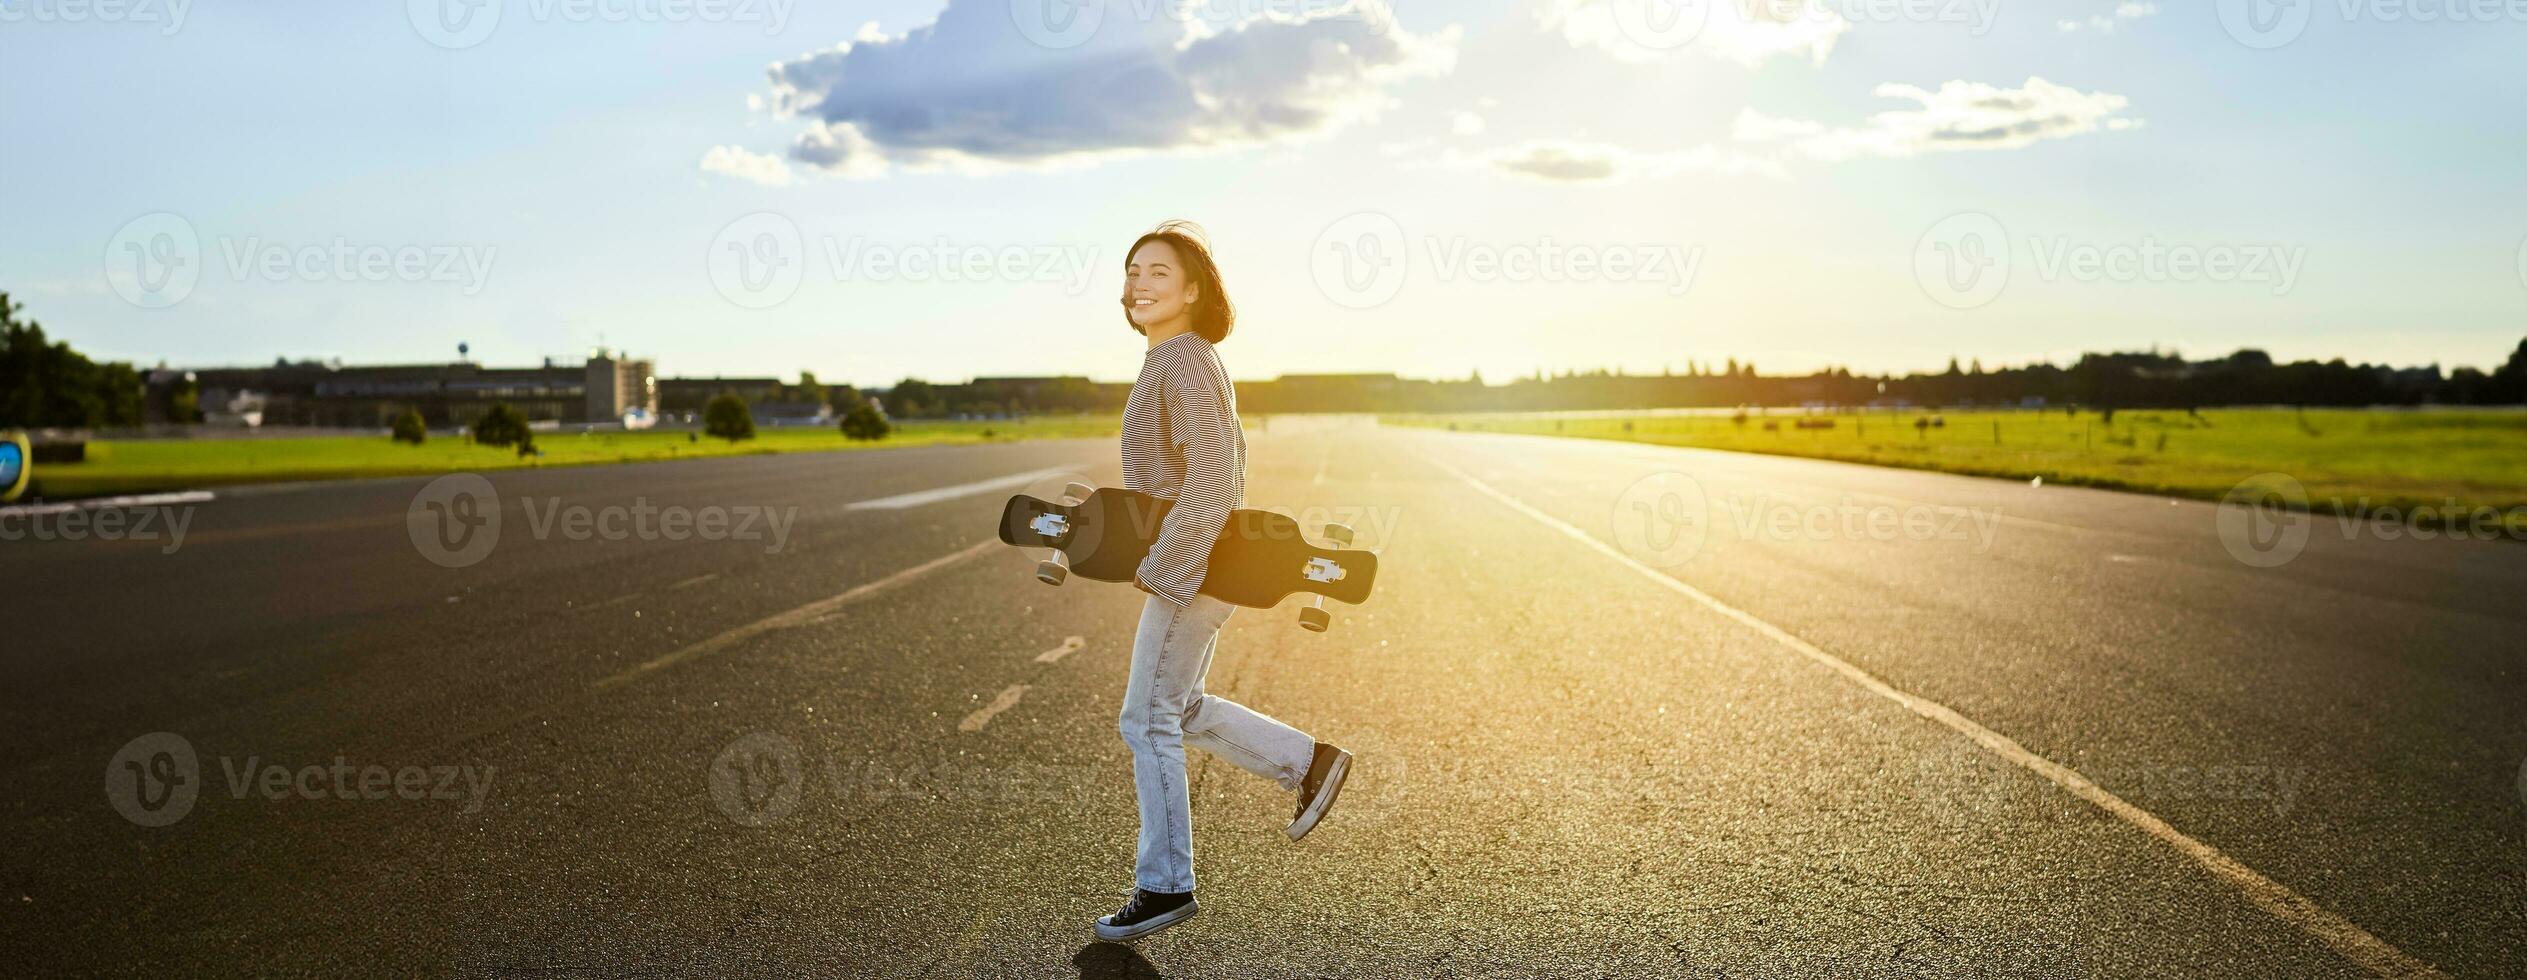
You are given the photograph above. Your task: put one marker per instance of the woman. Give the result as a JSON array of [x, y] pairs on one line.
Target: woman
[[1181, 441]]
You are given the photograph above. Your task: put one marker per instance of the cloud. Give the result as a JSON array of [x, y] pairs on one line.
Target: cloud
[[971, 91], [1960, 115], [1747, 32], [2105, 23], [1562, 161], [744, 164], [1466, 124]]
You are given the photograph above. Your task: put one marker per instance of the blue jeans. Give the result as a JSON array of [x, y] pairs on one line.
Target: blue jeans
[[1164, 710]]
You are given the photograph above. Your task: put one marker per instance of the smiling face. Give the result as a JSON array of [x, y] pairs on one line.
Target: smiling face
[[1156, 285]]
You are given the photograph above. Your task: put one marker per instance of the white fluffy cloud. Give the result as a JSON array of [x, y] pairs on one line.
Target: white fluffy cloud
[[745, 164], [2105, 23], [1960, 115], [1561, 161], [973, 91], [1736, 30]]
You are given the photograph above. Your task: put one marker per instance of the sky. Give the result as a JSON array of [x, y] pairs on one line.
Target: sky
[[877, 190]]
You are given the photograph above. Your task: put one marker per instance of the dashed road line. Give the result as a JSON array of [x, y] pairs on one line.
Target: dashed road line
[[982, 716], [1069, 646], [801, 615], [2345, 937], [918, 498]]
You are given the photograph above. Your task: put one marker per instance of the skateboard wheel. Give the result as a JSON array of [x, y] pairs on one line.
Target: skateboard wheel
[[1078, 491], [1050, 572], [1339, 534], [1315, 619]]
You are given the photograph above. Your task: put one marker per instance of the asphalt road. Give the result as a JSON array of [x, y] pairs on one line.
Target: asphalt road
[[1619, 711]]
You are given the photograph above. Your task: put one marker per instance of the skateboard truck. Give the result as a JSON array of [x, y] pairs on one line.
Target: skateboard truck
[[1052, 570], [1313, 616]]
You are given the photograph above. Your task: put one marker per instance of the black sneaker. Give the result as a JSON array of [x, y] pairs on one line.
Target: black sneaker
[[1316, 793], [1147, 912]]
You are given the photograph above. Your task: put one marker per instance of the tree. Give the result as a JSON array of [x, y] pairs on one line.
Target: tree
[[45, 384], [727, 417], [912, 398], [503, 426], [864, 424], [410, 428]]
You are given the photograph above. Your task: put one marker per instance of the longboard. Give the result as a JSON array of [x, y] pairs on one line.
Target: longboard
[[1260, 558]]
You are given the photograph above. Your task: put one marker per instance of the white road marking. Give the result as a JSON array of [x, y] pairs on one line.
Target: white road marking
[[982, 716], [803, 614], [1069, 645], [2346, 937], [920, 497], [101, 503]]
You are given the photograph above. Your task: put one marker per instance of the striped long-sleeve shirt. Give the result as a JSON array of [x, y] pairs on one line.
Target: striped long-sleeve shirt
[[1181, 441]]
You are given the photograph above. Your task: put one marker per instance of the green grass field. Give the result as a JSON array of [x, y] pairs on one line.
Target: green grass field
[[2397, 459], [166, 464]]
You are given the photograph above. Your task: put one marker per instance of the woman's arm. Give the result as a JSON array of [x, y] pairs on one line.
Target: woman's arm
[[1207, 431]]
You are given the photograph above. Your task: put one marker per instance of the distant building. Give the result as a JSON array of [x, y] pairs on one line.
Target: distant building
[[313, 393]]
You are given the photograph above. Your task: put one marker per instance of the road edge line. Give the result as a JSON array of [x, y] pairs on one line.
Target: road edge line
[[2344, 936]]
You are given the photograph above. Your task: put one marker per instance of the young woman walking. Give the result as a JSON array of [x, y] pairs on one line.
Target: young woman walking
[[1181, 441]]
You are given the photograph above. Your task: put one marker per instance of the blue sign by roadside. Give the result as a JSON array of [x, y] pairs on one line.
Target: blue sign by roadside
[[13, 466]]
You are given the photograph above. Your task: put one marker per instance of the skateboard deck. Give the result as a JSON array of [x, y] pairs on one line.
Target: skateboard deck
[[1261, 557]]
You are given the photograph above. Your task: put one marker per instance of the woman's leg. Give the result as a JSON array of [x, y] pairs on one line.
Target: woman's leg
[[1248, 739], [1168, 654]]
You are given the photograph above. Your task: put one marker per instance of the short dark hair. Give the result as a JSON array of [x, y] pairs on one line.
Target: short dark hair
[[1213, 316]]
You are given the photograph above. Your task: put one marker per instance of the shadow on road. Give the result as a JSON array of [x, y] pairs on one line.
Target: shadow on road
[[1113, 961]]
